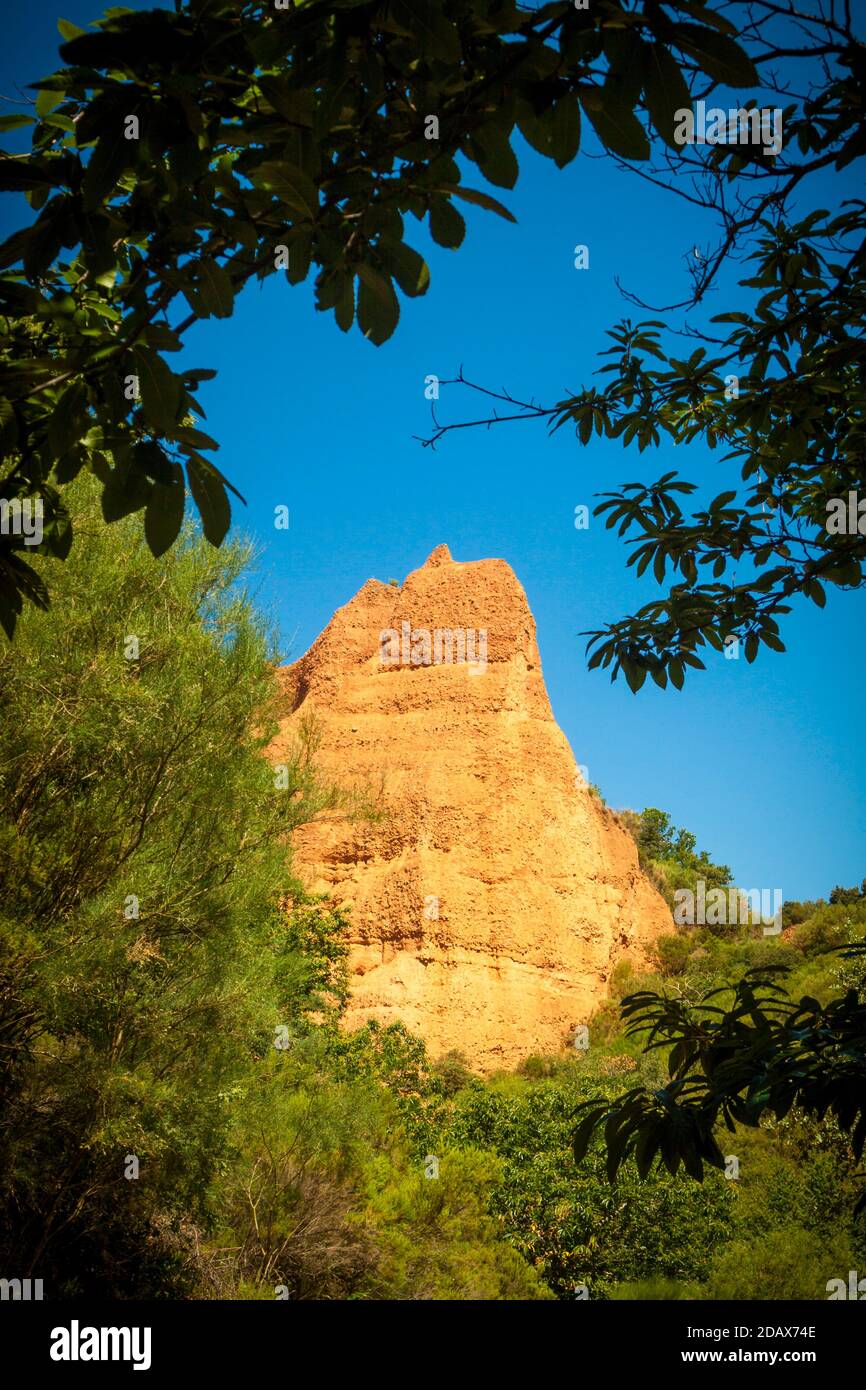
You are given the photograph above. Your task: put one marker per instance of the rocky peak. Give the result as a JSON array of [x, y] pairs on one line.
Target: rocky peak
[[495, 893]]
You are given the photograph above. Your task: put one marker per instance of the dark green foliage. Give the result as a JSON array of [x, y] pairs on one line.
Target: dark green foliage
[[199, 1032], [773, 386], [747, 1234], [848, 895], [670, 856], [676, 852], [810, 302], [568, 1222], [394, 1056], [179, 155], [141, 865], [452, 1073], [793, 912], [672, 953], [829, 925], [762, 1053], [169, 994]]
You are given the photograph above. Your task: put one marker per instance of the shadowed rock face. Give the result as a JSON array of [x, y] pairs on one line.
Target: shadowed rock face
[[493, 897]]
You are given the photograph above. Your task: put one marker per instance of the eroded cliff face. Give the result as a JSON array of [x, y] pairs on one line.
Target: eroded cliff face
[[494, 895]]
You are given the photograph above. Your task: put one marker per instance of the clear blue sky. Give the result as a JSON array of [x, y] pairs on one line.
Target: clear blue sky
[[766, 763]]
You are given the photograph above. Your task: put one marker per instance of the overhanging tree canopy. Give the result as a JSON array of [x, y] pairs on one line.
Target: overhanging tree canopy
[[774, 385], [177, 156], [760, 1056]]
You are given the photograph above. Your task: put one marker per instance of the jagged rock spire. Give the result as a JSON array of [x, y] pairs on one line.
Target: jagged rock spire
[[493, 894]]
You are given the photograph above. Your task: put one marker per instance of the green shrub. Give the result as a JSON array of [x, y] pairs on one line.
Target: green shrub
[[786, 1263], [673, 952], [657, 1289]]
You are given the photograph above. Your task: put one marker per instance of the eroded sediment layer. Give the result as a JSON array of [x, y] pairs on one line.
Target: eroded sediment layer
[[493, 897]]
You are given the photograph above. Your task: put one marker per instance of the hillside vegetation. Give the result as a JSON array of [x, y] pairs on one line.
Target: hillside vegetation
[[182, 1116]]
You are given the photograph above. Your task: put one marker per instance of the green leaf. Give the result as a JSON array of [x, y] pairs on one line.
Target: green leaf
[[495, 157], [618, 129], [565, 130], [435, 34], [378, 306], [20, 175], [194, 376], [335, 97], [447, 227], [213, 292], [300, 256], [481, 200], [556, 132], [59, 537], [617, 1132], [635, 675], [15, 121], [59, 122], [717, 54], [152, 460], [68, 420], [10, 606], [646, 1148], [408, 268], [126, 491], [670, 1153], [816, 593], [344, 307], [583, 1134], [8, 427], [153, 37], [666, 91], [163, 517], [107, 162], [195, 439], [288, 183], [160, 390], [329, 288], [692, 1163], [45, 238], [68, 30], [211, 499], [47, 99], [17, 579], [211, 468], [844, 574]]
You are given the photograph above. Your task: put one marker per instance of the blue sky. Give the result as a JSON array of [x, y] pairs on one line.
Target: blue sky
[[763, 763]]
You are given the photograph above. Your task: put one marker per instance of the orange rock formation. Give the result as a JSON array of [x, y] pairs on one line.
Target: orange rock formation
[[493, 897]]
